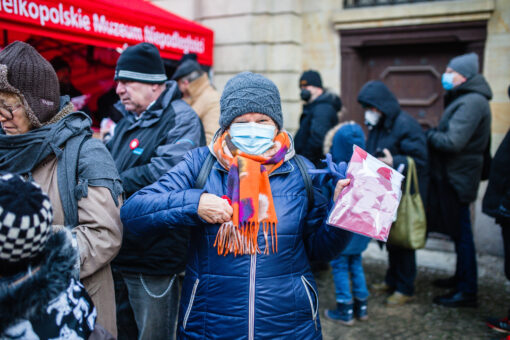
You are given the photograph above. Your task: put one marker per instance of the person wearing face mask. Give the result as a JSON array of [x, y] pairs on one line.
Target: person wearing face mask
[[253, 228], [393, 135], [457, 148], [318, 117]]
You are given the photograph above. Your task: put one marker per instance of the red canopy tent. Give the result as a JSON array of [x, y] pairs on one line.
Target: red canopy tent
[[90, 35], [109, 23]]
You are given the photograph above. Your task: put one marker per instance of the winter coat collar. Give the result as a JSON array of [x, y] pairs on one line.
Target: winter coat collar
[[30, 297], [155, 110], [476, 84]]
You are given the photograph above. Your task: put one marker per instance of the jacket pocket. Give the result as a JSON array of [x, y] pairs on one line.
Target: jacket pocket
[[190, 304], [312, 295]]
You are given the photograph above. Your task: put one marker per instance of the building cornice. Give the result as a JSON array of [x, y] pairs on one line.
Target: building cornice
[[414, 14]]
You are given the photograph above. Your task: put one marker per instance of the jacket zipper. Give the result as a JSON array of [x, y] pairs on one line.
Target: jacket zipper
[[188, 310], [251, 307], [308, 286]]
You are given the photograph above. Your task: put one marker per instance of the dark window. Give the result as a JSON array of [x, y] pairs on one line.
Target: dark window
[[368, 3]]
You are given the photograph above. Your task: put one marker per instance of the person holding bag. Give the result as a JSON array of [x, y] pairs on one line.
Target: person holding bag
[[393, 137]]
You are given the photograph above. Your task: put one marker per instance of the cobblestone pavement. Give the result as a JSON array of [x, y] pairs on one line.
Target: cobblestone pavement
[[420, 319]]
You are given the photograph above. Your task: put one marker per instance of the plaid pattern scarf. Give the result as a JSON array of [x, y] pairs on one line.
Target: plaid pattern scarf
[[250, 195]]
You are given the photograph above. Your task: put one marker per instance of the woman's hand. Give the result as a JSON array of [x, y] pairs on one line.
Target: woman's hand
[[214, 209], [340, 185]]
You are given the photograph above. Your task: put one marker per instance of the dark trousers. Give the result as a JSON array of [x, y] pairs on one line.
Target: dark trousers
[[126, 324], [505, 231], [466, 270], [402, 269]]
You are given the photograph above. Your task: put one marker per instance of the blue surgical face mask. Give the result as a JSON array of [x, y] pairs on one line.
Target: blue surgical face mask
[[447, 81], [252, 138]]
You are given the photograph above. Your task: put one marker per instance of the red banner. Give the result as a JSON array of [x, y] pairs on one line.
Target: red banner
[[109, 23]]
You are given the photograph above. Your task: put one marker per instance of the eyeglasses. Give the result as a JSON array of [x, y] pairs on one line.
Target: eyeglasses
[[7, 112]]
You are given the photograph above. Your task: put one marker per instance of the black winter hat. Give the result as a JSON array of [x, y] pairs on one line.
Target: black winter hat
[[25, 72], [141, 63], [310, 77], [186, 68], [25, 222]]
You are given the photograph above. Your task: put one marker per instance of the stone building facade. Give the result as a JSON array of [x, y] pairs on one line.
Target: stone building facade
[[282, 38]]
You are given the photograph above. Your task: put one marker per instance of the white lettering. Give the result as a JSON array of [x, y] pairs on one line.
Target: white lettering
[[54, 15], [23, 8], [175, 40], [7, 6], [33, 10], [44, 14]]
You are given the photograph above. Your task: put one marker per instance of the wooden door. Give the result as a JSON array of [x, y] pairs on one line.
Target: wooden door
[[409, 60]]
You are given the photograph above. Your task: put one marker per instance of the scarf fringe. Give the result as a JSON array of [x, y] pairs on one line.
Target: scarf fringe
[[242, 240]]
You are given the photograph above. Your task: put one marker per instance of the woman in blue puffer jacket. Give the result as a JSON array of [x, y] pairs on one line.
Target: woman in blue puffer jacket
[[252, 229]]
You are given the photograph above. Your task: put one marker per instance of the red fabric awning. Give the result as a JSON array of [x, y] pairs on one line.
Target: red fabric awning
[[109, 23]]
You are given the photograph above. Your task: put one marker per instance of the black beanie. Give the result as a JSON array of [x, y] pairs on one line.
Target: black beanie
[[25, 72], [186, 68], [141, 63], [25, 222], [310, 77]]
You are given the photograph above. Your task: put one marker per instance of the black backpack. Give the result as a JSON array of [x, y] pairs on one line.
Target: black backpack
[[209, 161]]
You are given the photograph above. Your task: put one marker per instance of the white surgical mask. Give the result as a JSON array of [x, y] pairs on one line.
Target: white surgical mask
[[252, 138], [372, 118]]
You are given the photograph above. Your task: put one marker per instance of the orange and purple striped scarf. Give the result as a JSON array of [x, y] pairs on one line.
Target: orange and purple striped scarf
[[250, 194]]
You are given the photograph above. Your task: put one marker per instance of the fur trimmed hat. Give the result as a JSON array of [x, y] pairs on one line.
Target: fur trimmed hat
[[26, 220], [250, 92], [25, 72]]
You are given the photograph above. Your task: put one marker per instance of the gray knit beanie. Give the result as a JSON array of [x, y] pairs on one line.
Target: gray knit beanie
[[466, 64], [250, 92], [25, 72]]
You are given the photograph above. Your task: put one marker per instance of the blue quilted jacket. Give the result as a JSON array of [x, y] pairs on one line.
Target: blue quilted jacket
[[245, 297]]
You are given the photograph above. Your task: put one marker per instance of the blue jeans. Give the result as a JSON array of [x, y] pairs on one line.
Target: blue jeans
[[155, 303], [466, 269], [401, 269], [342, 266]]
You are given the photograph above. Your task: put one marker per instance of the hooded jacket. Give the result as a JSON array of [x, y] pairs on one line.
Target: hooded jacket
[[244, 297], [318, 117], [396, 131], [144, 148], [462, 136], [47, 302]]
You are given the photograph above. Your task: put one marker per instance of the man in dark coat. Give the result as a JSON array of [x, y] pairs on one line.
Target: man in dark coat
[[496, 203], [157, 130], [318, 117], [457, 148], [393, 136]]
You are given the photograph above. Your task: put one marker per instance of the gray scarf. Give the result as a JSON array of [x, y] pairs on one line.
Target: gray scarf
[[79, 164]]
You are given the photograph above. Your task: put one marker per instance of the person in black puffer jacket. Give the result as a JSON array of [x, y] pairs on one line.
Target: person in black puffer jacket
[[496, 203], [457, 148], [318, 117], [393, 136]]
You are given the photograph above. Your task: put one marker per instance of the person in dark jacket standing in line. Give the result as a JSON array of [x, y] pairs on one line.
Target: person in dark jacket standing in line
[[253, 229], [457, 147], [496, 203], [158, 128], [318, 117], [393, 136]]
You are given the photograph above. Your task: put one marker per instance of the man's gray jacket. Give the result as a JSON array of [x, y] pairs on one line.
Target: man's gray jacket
[[462, 136]]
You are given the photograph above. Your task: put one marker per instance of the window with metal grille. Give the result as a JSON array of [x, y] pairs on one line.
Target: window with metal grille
[[368, 3]]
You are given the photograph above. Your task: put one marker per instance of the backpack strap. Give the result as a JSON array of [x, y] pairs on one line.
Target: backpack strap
[[204, 171], [306, 178]]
